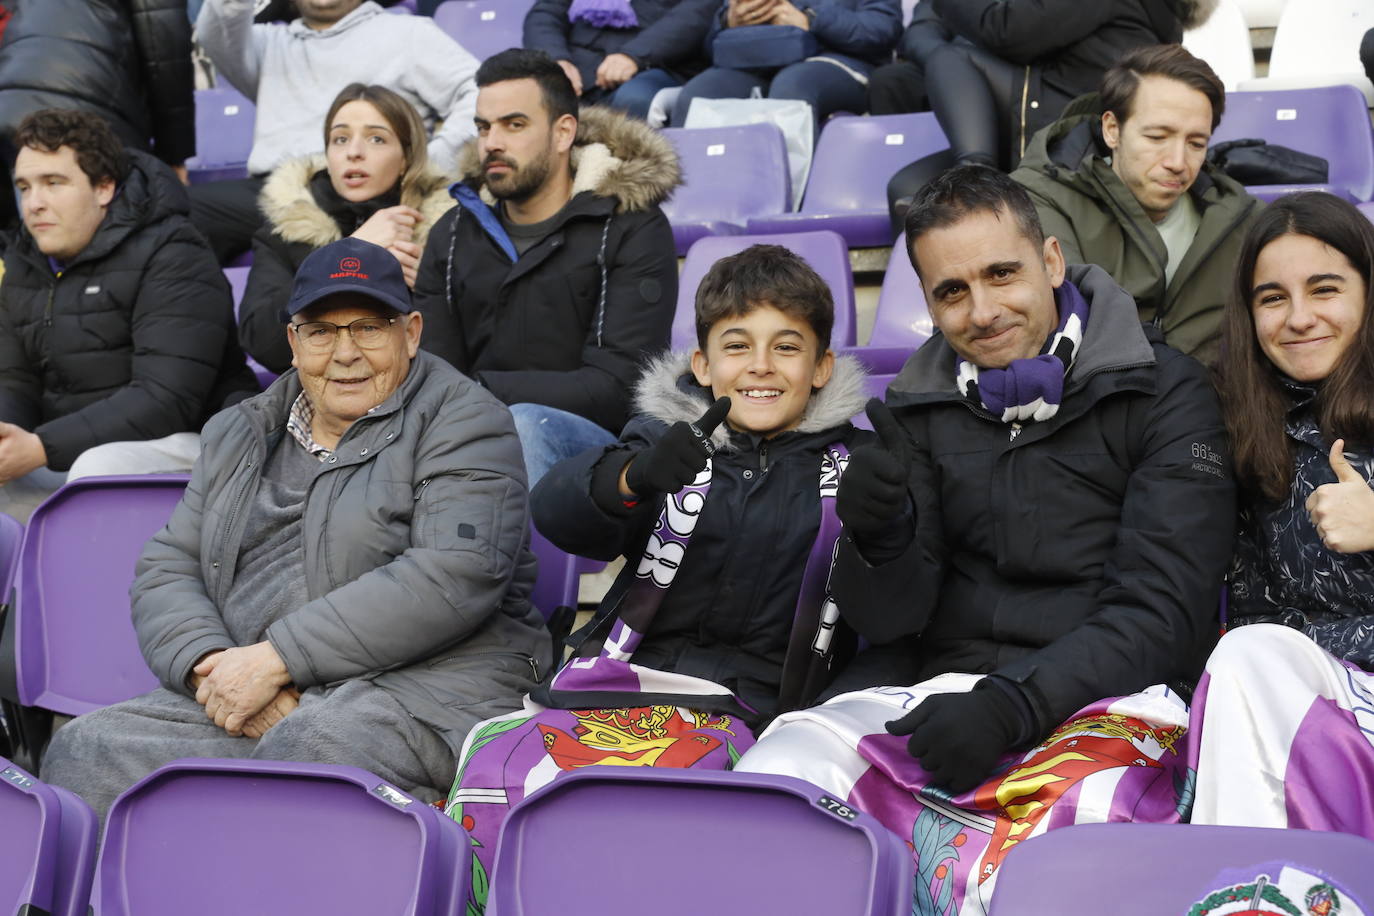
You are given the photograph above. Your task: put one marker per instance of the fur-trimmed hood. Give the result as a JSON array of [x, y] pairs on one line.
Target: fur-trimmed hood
[[296, 216], [614, 155], [668, 392], [1195, 13]]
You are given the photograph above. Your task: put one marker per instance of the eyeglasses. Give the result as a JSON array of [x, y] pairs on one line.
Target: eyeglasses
[[321, 336]]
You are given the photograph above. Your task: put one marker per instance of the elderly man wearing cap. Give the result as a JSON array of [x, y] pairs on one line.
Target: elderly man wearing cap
[[346, 578]]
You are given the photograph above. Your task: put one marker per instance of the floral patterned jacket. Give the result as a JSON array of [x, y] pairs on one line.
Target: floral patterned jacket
[[1282, 572]]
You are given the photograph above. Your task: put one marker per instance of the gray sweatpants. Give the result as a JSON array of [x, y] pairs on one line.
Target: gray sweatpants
[[102, 753]]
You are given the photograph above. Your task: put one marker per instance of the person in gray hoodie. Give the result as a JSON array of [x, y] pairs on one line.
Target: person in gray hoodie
[[347, 577], [291, 72]]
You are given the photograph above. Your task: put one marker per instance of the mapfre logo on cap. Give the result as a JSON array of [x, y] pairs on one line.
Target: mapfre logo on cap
[[350, 267]]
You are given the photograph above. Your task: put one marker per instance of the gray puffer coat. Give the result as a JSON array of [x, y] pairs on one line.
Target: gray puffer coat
[[416, 558]]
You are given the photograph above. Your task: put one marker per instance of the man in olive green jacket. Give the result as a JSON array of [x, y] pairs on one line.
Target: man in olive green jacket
[[1122, 181]]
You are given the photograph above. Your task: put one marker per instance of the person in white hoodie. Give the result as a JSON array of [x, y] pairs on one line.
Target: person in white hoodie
[[291, 71]]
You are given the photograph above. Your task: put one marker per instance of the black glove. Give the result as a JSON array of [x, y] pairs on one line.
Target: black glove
[[872, 493], [958, 737], [676, 459]]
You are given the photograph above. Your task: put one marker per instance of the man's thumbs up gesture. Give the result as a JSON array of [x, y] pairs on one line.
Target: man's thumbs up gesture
[[1343, 512]]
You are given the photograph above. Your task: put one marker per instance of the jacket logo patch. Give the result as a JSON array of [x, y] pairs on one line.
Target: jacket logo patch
[[92, 290]]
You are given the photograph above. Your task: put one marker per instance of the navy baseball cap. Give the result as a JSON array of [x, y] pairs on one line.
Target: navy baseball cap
[[349, 266]]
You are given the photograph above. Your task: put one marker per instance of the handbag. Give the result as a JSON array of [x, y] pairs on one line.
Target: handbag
[[762, 47], [1255, 162]]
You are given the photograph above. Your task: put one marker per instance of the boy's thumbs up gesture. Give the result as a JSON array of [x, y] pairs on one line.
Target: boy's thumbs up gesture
[[1343, 512], [873, 489], [676, 459]]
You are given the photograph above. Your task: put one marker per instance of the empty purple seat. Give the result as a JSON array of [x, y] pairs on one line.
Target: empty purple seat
[[75, 644], [683, 842], [47, 846], [277, 838], [825, 251], [1331, 122], [847, 188], [224, 135], [1368, 210], [902, 318], [484, 27], [1169, 868], [729, 174], [559, 575], [878, 360]]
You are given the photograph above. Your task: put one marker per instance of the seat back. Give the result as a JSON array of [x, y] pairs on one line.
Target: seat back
[[825, 251], [11, 542], [224, 134], [1170, 868], [1331, 122], [875, 386], [728, 175], [902, 318], [484, 27], [766, 844], [1321, 39], [560, 574], [75, 644], [47, 846], [295, 837], [1224, 42]]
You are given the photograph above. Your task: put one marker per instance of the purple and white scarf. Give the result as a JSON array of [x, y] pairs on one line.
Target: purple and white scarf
[[1031, 389], [604, 14], [609, 679]]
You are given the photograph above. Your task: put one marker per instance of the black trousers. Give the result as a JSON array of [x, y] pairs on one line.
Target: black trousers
[[227, 214]]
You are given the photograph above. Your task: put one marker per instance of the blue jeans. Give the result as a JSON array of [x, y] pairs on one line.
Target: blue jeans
[[549, 435], [635, 95]]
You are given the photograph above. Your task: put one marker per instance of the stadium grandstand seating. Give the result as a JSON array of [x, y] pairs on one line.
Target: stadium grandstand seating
[[74, 644], [559, 575], [47, 846], [826, 251], [729, 175], [224, 135], [483, 27], [759, 844], [1157, 868], [1331, 122], [901, 318], [1224, 42], [339, 841], [846, 190], [1317, 43]]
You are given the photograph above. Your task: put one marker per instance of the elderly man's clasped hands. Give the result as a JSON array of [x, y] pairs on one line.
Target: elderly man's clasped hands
[[245, 690]]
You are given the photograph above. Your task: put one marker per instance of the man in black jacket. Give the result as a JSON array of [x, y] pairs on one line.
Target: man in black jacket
[[622, 57], [555, 274], [116, 326], [128, 61], [1052, 507]]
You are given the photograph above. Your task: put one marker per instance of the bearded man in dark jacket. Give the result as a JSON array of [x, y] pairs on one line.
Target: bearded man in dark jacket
[[117, 332], [1061, 483], [556, 272]]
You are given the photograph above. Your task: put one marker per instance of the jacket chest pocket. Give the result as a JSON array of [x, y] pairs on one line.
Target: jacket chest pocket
[[1063, 514]]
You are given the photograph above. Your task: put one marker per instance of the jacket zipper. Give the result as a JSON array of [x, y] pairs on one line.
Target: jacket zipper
[[1025, 95], [47, 309], [220, 592], [763, 460]]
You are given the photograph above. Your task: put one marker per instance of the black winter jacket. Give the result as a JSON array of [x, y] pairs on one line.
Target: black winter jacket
[[303, 212], [567, 324], [669, 36], [133, 341], [1064, 45], [728, 613], [128, 61], [1078, 558]]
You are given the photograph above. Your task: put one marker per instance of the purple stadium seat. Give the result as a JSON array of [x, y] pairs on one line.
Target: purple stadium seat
[[559, 575], [281, 838], [224, 135], [1157, 869], [688, 842], [875, 386], [75, 644], [11, 541], [902, 318], [847, 188], [1367, 210], [238, 280], [729, 175], [484, 27], [1331, 122], [47, 846], [825, 251], [878, 360]]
